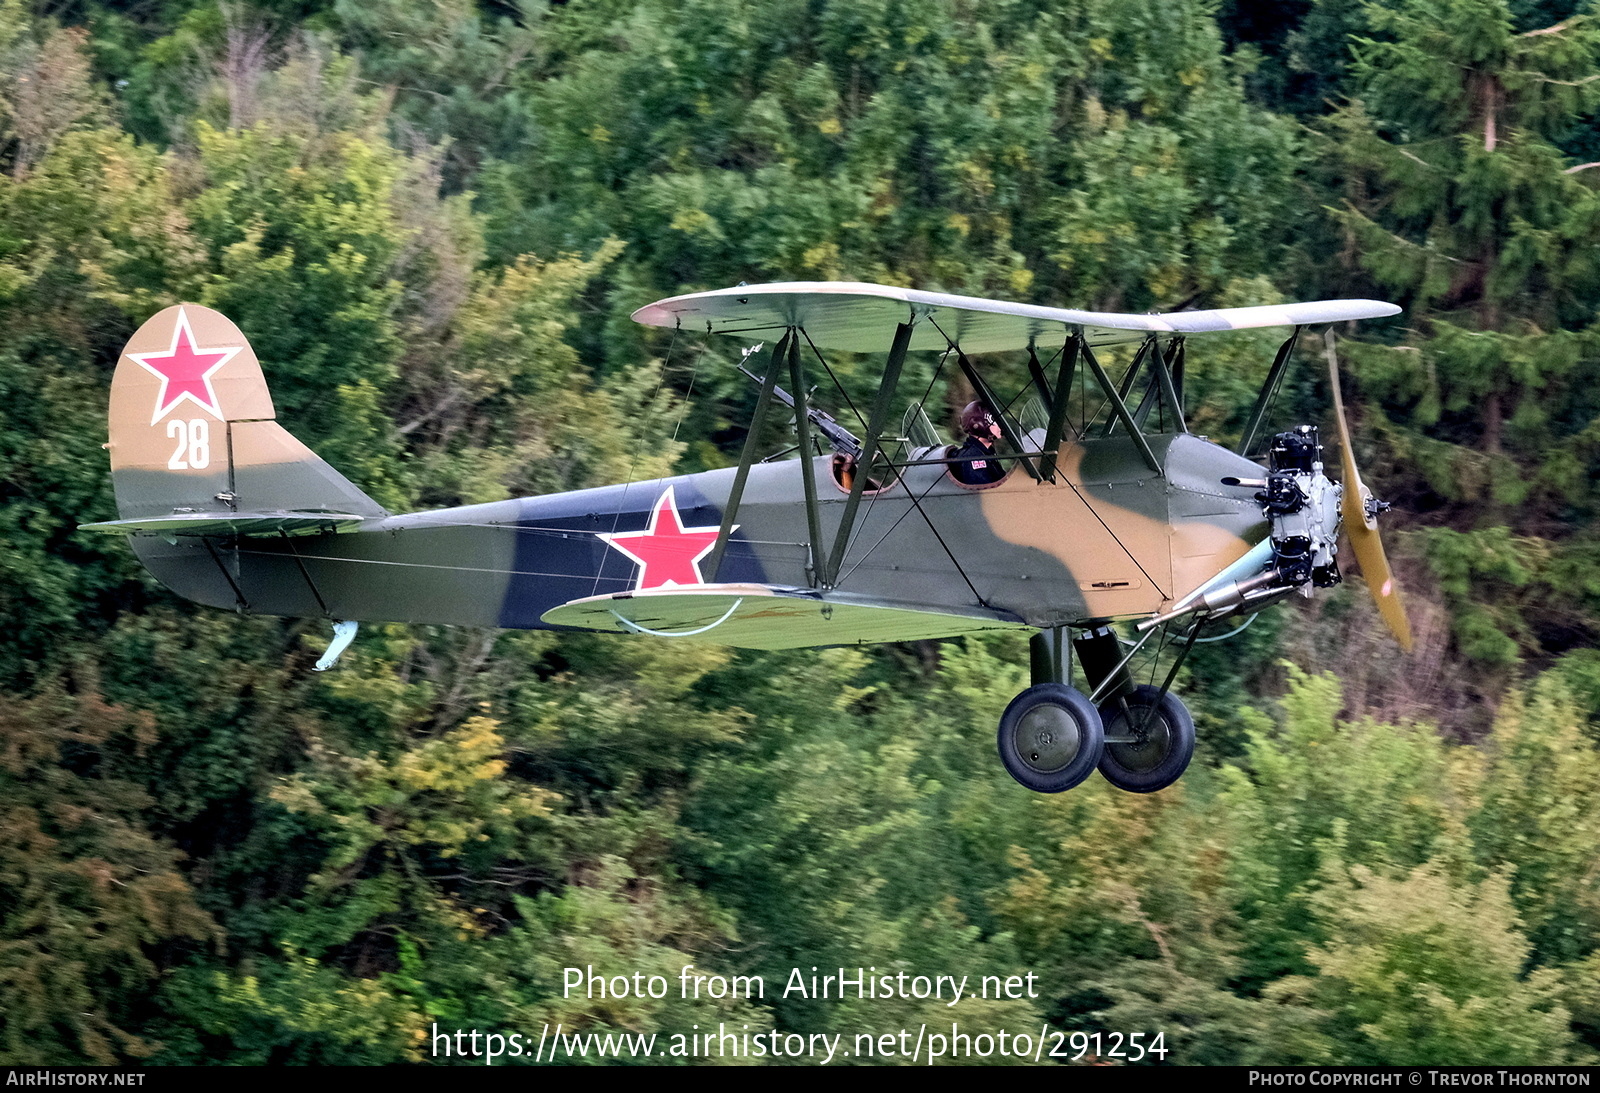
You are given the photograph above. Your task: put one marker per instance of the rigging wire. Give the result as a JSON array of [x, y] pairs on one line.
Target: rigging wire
[[950, 348], [862, 560], [894, 471], [638, 449], [688, 395], [899, 478], [1266, 416], [1095, 513], [916, 503], [1028, 384], [824, 362]]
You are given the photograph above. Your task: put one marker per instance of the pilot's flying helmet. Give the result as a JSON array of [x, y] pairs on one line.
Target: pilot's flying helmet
[[977, 421]]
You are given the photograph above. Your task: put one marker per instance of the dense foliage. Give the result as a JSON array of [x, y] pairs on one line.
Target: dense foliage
[[432, 220]]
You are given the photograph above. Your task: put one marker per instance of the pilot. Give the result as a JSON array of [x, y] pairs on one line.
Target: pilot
[[974, 463]]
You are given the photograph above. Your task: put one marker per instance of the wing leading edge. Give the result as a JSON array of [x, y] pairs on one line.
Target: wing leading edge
[[856, 317]]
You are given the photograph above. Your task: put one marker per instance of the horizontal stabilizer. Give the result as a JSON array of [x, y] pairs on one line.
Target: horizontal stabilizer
[[232, 523], [756, 616]]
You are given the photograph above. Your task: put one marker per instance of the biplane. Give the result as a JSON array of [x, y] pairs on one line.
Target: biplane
[[1123, 517]]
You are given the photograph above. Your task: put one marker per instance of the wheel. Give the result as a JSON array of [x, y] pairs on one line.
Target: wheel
[[1150, 750], [1050, 737]]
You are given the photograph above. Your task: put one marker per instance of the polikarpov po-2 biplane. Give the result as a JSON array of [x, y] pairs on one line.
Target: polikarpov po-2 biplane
[[1094, 522]]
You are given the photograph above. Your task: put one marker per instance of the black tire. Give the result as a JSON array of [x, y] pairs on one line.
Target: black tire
[[1050, 737], [1165, 752]]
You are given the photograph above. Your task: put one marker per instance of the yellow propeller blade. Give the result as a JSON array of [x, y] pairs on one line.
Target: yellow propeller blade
[[1360, 524]]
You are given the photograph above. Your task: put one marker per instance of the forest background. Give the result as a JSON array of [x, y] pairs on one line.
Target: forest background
[[433, 219]]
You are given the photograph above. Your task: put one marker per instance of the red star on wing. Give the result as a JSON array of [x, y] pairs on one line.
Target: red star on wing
[[667, 552], [185, 371]]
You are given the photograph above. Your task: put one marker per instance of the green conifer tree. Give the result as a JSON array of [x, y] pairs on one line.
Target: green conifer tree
[[1456, 194]]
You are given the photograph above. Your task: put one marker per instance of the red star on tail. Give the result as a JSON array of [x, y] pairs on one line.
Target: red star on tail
[[667, 552], [185, 371]]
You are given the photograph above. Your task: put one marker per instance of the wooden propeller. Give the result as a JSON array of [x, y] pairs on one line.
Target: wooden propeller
[[1360, 519]]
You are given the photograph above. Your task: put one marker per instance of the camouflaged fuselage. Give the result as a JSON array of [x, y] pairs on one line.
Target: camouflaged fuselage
[[1109, 539]]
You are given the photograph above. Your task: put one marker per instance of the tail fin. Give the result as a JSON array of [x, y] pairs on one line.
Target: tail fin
[[194, 445]]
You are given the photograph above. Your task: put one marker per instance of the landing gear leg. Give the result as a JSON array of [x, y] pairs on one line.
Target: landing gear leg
[[1149, 734], [1050, 656], [1103, 665]]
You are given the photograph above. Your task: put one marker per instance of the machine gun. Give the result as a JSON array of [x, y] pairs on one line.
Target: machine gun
[[841, 439]]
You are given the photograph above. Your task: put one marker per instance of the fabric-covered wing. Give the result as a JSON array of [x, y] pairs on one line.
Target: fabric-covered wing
[[855, 317], [754, 616]]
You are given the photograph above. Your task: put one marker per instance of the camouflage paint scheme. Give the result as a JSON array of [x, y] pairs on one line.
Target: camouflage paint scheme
[[193, 437]]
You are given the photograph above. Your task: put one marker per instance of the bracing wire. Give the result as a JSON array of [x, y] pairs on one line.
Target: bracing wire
[[688, 395], [638, 449], [900, 478], [839, 386]]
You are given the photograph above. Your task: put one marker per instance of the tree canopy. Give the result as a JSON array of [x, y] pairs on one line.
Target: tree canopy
[[433, 220]]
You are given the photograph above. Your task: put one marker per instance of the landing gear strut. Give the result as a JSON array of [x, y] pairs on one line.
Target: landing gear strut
[[1149, 733], [1149, 740], [1052, 737]]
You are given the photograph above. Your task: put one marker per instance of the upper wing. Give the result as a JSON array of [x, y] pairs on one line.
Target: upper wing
[[855, 317], [759, 616]]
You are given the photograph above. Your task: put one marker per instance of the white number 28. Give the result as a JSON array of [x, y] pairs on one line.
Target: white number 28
[[194, 444]]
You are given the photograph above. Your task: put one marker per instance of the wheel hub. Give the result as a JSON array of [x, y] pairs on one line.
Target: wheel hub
[[1141, 740], [1149, 740], [1048, 739]]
